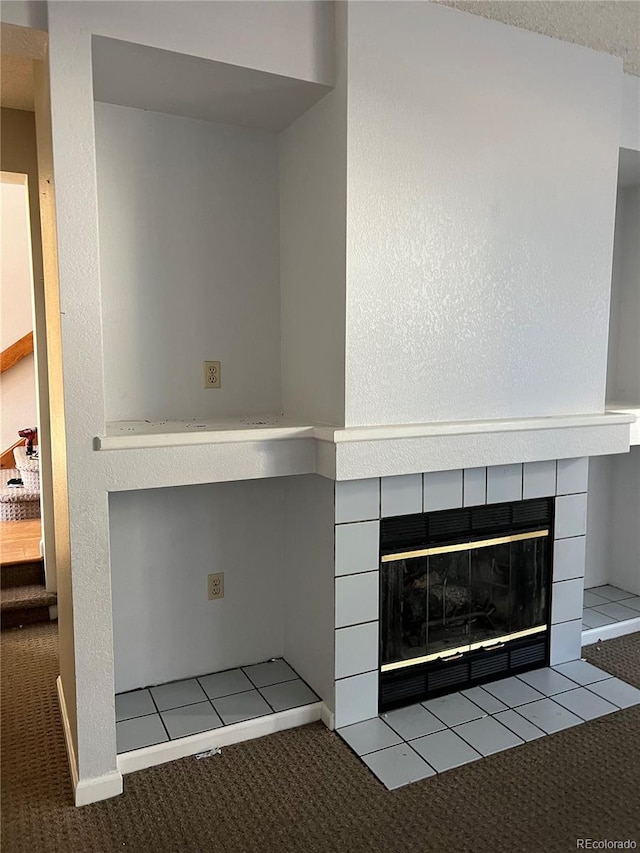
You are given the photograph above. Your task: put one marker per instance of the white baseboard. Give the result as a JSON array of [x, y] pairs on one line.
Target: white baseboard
[[328, 717], [85, 791], [53, 612], [160, 753], [101, 788], [68, 740], [608, 632]]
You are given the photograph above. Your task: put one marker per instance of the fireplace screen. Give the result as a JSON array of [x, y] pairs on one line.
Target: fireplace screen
[[445, 601]]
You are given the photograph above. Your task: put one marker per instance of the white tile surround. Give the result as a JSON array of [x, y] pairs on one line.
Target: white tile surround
[[359, 506]]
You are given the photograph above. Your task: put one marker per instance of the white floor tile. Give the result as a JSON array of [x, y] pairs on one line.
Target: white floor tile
[[177, 693], [369, 736], [512, 692], [592, 619], [581, 672], [137, 703], [523, 728], [633, 603], [547, 682], [140, 732], [413, 721], [397, 766], [190, 720], [271, 672], [617, 692], [225, 683], [617, 610], [611, 593], [444, 750], [591, 599], [454, 709], [289, 694], [241, 706], [585, 703], [547, 715], [488, 735], [484, 700]]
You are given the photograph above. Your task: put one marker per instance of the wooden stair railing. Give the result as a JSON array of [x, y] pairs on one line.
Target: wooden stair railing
[[16, 352]]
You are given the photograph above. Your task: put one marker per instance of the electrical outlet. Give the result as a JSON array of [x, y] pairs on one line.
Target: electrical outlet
[[211, 374], [215, 586]]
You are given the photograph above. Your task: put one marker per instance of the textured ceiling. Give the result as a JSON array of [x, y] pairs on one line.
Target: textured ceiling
[[611, 26], [16, 82]]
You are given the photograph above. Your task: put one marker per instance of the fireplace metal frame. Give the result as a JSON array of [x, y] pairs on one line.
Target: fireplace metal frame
[[405, 682]]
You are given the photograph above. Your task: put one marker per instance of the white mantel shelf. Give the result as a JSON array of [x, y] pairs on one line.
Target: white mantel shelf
[[632, 409], [142, 455]]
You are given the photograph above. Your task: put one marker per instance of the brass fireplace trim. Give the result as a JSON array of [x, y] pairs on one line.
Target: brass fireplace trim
[[464, 546], [460, 650]]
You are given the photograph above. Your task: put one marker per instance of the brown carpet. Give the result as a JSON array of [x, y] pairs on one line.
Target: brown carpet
[[303, 790]]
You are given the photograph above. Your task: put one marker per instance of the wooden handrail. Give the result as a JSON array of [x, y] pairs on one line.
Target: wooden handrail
[[16, 352]]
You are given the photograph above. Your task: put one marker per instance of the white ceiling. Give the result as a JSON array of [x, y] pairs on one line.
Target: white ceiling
[[611, 26]]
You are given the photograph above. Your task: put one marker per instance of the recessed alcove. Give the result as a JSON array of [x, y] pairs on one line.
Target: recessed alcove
[[613, 552], [190, 170]]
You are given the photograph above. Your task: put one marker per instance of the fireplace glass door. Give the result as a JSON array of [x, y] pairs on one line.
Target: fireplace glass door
[[443, 601]]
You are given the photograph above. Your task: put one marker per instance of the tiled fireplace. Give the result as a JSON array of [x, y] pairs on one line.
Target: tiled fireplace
[[362, 507]]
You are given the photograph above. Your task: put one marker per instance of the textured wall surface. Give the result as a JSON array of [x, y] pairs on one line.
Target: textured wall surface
[[164, 543], [189, 225], [612, 26], [480, 218]]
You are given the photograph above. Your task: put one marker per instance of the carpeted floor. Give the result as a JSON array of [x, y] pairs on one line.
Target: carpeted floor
[[303, 791]]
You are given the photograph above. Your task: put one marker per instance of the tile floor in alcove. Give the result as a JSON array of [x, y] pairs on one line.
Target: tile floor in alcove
[[180, 708], [431, 737], [606, 605]]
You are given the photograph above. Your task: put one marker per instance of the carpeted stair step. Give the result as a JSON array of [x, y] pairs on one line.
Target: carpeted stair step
[[25, 605], [17, 503], [22, 574]]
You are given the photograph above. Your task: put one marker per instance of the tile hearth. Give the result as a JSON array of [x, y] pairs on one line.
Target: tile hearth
[[178, 709], [416, 742]]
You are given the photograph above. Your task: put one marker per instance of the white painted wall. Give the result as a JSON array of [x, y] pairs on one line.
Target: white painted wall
[[285, 38], [625, 529], [630, 133], [480, 218], [15, 258], [24, 13], [598, 551], [308, 582], [313, 229], [189, 260], [17, 385], [623, 375], [164, 543]]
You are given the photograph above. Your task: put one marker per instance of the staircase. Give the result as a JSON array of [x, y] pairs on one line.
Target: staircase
[[23, 597], [18, 503]]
